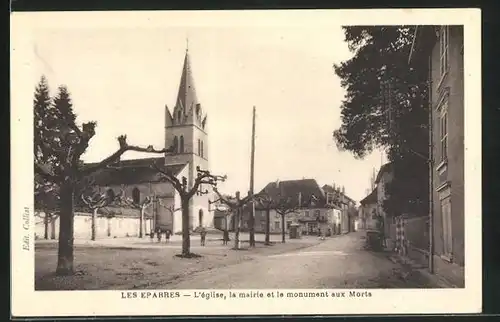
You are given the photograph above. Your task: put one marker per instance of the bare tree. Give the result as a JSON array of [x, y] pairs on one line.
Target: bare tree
[[142, 205], [267, 203], [285, 206], [59, 143], [67, 172], [46, 204], [186, 193], [236, 205], [96, 200]]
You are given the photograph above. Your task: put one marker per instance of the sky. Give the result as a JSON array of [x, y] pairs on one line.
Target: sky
[[123, 78]]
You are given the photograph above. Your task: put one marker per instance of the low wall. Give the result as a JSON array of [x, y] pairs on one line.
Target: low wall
[[115, 227]]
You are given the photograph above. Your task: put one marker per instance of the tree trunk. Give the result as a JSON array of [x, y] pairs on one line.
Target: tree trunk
[[92, 225], [237, 229], [186, 242], [141, 223], [53, 227], [283, 232], [66, 217], [251, 222], [267, 228], [46, 226]]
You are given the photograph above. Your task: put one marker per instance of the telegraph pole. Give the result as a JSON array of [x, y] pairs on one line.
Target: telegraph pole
[[252, 174]]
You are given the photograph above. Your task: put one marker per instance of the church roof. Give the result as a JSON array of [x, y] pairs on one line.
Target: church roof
[[186, 96], [134, 171]]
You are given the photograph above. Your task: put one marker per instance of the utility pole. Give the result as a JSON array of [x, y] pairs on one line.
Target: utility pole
[[252, 174]]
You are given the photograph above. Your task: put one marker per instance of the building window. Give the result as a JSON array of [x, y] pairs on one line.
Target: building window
[[443, 49], [306, 213], [201, 149], [181, 144], [136, 196], [443, 130], [288, 224], [179, 116], [447, 231], [276, 225], [176, 144]]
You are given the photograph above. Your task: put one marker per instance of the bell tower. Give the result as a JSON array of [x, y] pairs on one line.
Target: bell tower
[[186, 131]]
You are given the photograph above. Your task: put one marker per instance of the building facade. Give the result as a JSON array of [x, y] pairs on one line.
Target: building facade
[[316, 209], [440, 50], [186, 132], [368, 211]]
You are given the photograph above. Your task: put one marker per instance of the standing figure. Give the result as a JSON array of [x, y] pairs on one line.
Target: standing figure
[[203, 235], [225, 237], [167, 235], [158, 234], [152, 234]]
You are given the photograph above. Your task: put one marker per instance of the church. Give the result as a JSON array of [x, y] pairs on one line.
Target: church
[[186, 131]]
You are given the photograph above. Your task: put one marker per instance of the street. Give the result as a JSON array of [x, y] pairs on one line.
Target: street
[[339, 262]]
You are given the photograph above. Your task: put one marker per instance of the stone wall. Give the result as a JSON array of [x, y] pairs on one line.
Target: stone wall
[[116, 227]]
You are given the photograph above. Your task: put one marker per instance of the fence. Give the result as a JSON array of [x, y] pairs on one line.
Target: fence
[[410, 237]]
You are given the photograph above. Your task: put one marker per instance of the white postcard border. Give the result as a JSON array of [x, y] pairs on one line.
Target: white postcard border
[[27, 302]]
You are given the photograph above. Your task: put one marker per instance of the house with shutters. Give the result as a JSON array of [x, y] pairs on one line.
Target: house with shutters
[[315, 209], [438, 51]]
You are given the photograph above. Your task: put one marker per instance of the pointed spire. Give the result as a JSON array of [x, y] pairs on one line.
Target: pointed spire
[[186, 97]]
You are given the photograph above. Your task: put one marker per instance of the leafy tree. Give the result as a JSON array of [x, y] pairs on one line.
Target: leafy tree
[[385, 107], [186, 193], [58, 146]]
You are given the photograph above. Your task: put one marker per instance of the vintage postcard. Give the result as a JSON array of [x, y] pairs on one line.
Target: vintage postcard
[[246, 162]]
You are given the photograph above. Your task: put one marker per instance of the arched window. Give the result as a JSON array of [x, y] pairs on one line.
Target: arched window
[[136, 196], [181, 144], [179, 116], [200, 218], [110, 194], [201, 149], [176, 144]]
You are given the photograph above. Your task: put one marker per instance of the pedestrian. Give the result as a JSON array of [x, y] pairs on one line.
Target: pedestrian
[[158, 234], [203, 235], [225, 237], [152, 234], [167, 235]]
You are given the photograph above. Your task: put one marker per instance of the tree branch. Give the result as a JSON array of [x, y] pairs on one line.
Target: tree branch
[[170, 177], [124, 147]]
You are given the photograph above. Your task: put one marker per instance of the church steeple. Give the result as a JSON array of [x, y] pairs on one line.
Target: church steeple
[[187, 108]]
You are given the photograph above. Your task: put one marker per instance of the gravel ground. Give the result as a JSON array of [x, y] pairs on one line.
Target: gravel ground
[[141, 265]]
